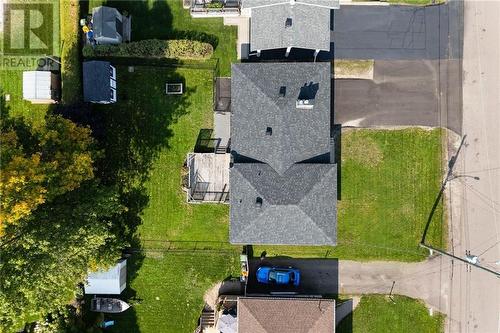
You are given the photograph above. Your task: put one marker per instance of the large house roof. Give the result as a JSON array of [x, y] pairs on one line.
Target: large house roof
[[282, 26], [270, 315], [296, 208], [269, 127], [96, 81]]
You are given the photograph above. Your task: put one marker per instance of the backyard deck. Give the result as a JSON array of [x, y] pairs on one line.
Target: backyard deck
[[208, 177]]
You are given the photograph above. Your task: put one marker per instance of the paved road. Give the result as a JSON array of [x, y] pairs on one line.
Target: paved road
[[476, 203], [394, 32], [403, 92]]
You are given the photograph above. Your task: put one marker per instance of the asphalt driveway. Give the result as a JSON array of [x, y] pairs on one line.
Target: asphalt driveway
[[402, 93], [397, 32], [318, 276]]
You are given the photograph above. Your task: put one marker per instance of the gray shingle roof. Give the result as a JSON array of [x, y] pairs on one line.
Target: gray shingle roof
[[297, 134], [298, 315], [296, 208], [107, 22], [309, 28], [96, 81]]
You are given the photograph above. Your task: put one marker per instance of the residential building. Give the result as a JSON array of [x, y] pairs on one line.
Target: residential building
[[283, 179]]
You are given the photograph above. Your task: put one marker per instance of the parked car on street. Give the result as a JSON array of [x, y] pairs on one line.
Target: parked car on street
[[278, 275]]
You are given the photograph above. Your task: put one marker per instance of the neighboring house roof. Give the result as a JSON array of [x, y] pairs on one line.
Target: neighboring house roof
[[110, 282], [296, 208], [96, 81], [37, 85], [257, 108], [107, 24], [299, 315], [332, 4], [282, 26]]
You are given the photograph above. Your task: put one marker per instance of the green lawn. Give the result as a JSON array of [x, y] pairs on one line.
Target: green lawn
[[70, 52], [167, 19], [389, 181], [11, 83], [377, 314], [167, 293]]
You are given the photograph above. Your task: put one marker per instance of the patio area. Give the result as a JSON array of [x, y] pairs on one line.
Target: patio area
[[208, 178]]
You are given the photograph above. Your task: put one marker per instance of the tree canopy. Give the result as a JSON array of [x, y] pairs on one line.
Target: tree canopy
[[40, 163]]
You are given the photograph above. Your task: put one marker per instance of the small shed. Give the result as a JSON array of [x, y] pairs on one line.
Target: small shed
[[110, 282], [99, 82], [109, 26], [41, 87]]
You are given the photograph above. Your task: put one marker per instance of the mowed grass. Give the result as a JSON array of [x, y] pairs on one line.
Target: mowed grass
[[11, 83], [378, 313], [167, 293], [165, 288], [167, 19], [71, 66], [389, 180], [168, 215]]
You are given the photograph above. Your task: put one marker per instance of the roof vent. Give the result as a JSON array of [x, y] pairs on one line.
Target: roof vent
[[269, 131], [258, 202], [282, 91], [288, 22]]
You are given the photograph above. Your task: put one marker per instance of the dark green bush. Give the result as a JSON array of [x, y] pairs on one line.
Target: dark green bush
[[153, 48]]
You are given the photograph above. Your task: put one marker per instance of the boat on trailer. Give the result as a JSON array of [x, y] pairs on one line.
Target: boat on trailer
[[108, 305]]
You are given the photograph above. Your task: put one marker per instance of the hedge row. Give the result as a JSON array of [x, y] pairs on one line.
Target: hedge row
[[153, 48]]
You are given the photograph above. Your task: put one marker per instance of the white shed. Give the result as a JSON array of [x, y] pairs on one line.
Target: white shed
[[110, 282], [40, 87]]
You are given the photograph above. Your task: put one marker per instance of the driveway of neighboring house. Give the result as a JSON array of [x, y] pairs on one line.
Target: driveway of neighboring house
[[391, 32], [427, 280], [417, 74], [402, 93], [318, 276]]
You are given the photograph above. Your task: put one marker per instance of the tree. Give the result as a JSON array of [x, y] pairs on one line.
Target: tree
[[53, 250], [41, 163]]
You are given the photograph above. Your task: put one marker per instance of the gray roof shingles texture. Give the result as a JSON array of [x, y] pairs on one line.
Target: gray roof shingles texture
[[297, 134], [309, 29], [297, 208], [104, 22], [297, 201], [96, 81], [272, 315]]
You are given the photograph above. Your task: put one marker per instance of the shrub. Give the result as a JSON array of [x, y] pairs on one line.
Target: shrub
[[153, 48]]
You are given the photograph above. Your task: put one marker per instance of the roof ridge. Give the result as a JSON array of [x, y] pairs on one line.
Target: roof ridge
[[312, 329], [317, 226], [251, 81], [306, 194], [319, 181], [249, 310]]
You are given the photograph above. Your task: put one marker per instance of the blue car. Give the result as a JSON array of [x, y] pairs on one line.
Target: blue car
[[278, 275]]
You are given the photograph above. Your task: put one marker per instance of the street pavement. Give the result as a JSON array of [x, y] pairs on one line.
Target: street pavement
[[475, 204]]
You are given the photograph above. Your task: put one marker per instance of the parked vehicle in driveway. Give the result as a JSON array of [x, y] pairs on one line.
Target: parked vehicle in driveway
[[278, 275]]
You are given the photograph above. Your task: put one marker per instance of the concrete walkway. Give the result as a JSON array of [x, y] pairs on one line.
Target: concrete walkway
[[243, 42], [427, 280]]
